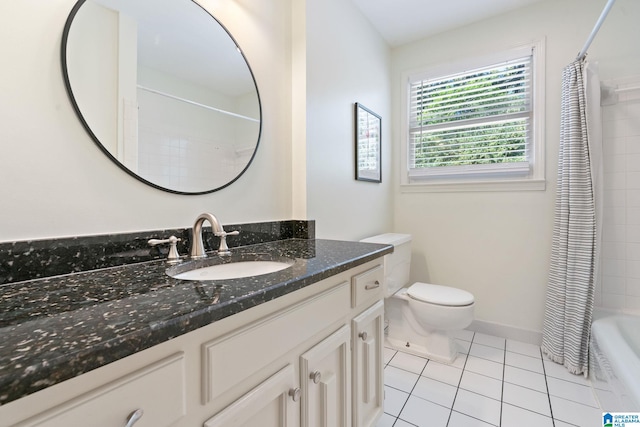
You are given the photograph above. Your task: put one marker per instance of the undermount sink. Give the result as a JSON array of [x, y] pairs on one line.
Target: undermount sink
[[216, 268]]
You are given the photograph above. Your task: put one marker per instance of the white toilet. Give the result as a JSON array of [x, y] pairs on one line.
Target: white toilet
[[421, 316]]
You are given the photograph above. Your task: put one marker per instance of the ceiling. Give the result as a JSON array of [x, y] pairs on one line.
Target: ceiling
[[404, 21]]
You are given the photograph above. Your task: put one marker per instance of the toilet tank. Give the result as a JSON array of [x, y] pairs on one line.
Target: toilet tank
[[396, 264]]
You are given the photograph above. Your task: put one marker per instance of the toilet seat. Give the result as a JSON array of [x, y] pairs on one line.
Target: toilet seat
[[440, 295]]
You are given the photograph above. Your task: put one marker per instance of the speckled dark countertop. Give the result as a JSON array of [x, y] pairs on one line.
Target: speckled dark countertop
[[56, 328]]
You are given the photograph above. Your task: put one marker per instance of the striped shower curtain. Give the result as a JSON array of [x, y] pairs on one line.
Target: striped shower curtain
[[572, 275]]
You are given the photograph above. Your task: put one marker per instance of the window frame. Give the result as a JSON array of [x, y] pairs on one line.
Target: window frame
[[467, 178]]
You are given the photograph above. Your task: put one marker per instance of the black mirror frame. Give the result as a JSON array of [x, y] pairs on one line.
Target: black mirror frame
[[65, 74]]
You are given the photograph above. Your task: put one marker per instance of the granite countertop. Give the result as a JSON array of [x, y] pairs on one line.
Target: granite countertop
[[56, 328]]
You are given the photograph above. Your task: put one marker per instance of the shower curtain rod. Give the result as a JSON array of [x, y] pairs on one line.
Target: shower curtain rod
[[197, 104], [596, 27], [626, 89], [609, 94]]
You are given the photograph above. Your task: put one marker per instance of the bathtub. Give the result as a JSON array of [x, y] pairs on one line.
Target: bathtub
[[614, 361]]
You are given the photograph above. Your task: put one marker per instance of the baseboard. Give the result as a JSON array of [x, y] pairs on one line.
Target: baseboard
[[506, 331]]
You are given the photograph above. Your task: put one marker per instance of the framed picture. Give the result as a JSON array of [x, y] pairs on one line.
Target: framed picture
[[367, 144]]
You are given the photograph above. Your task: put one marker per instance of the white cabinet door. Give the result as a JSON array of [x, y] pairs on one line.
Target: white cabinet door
[[273, 403], [325, 380], [368, 337]]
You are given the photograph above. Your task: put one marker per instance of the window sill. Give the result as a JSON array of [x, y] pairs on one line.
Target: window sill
[[458, 187]]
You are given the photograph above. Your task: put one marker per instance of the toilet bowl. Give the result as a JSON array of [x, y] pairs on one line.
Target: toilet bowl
[[424, 327], [421, 317]]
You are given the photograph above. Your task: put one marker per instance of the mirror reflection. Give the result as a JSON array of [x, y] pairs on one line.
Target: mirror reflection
[[164, 90]]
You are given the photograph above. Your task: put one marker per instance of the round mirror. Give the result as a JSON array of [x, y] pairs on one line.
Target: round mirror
[[164, 90]]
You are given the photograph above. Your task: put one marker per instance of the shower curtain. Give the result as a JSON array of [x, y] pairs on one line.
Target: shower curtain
[[574, 254]]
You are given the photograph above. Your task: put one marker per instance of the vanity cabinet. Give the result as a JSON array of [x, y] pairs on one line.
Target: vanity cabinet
[[340, 376], [310, 358], [255, 351]]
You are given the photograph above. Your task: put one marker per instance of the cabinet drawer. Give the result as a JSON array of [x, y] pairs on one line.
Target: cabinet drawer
[[367, 286], [158, 389], [232, 359]]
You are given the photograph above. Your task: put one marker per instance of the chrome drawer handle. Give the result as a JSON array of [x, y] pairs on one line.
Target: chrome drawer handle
[[375, 285], [295, 393], [315, 377], [363, 335], [134, 417]]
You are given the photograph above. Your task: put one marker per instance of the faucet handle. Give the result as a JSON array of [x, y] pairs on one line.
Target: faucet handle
[[173, 256], [226, 233], [224, 249]]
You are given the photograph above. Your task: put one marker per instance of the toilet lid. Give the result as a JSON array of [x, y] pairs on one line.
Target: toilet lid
[[441, 295]]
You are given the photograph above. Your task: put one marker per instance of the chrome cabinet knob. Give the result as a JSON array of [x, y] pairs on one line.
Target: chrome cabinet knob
[[363, 335], [295, 394], [315, 376], [134, 417]]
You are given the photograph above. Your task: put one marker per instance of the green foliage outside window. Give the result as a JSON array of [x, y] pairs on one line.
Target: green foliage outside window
[[448, 128]]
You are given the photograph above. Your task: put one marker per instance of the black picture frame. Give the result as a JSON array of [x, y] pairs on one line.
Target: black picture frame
[[368, 144]]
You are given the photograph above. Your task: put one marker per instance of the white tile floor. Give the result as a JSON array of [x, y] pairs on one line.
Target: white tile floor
[[493, 382]]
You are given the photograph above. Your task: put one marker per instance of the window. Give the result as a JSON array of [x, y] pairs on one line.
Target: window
[[479, 122]]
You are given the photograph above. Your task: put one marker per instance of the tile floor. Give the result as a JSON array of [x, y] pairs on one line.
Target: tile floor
[[493, 382]]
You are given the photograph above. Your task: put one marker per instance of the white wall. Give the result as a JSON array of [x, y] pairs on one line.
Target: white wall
[[497, 244], [347, 62], [55, 180]]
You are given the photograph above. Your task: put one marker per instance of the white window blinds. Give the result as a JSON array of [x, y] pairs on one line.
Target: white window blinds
[[474, 122]]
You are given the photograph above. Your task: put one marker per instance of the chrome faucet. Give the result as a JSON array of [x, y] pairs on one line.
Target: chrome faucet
[[197, 246]]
